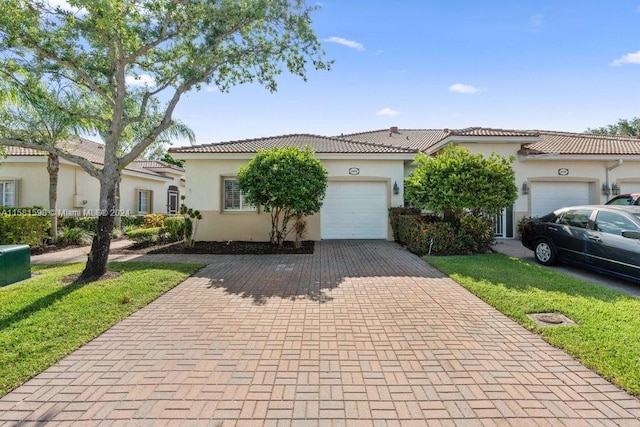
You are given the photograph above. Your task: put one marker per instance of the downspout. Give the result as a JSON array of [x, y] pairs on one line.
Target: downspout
[[610, 168]]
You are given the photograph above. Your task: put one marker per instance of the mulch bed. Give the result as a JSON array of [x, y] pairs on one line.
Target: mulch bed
[[221, 248]]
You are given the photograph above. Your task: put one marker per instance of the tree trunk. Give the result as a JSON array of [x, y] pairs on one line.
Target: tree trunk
[[53, 166], [99, 255]]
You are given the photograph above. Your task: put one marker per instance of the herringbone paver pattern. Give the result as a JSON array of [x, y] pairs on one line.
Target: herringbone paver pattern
[[360, 333]]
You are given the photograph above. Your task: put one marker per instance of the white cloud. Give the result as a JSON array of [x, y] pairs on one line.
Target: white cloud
[[387, 112], [629, 58], [141, 80], [462, 88], [344, 42], [536, 20]]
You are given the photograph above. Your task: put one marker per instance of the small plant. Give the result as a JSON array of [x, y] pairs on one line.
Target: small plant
[[125, 300], [153, 221], [191, 218], [76, 236], [144, 235], [174, 228], [300, 228], [521, 224]]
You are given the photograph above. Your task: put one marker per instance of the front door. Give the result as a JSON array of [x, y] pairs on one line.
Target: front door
[[172, 201]]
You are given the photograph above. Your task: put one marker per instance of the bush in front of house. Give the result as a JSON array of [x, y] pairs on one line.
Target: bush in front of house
[[152, 221], [87, 223], [32, 230], [75, 236], [425, 235], [173, 229], [144, 235], [132, 221]]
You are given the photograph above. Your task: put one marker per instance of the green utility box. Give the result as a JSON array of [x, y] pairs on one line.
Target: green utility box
[[15, 263]]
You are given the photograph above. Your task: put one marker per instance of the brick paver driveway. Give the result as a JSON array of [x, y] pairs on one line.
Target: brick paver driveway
[[360, 333]]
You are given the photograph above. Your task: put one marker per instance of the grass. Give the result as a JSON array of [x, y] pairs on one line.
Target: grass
[[607, 339], [44, 319]]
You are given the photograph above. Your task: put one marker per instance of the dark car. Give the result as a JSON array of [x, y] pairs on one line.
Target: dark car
[[629, 199], [604, 238]]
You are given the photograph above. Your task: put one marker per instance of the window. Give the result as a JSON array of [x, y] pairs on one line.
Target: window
[[613, 223], [8, 193], [144, 201], [233, 198], [576, 218]]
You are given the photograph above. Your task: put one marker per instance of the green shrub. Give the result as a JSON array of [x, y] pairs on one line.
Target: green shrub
[[144, 235], [88, 223], [173, 228], [131, 220], [76, 236], [152, 221], [29, 230], [394, 214], [432, 235]]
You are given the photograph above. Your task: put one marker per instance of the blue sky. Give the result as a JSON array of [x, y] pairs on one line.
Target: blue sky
[[513, 64]]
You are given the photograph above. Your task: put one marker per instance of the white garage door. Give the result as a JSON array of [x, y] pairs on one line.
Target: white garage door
[[549, 196], [354, 210], [630, 187]]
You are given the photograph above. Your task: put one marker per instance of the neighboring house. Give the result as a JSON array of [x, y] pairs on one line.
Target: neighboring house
[[553, 169], [147, 186], [366, 171], [364, 180]]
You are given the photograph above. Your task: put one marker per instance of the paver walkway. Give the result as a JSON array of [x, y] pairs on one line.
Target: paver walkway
[[360, 333]]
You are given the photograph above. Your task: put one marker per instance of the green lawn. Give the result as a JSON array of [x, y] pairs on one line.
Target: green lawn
[[44, 319], [607, 338]]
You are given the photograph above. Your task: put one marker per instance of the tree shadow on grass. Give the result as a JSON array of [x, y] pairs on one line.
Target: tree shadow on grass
[[115, 270]]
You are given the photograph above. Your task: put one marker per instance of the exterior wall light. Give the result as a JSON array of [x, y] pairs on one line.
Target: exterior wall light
[[615, 189], [525, 188], [396, 189], [605, 189]]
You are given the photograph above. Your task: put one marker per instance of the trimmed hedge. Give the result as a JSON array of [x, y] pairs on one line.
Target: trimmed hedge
[[424, 235], [29, 230], [144, 235]]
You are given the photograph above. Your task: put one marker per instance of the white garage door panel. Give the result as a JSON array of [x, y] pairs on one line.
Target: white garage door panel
[[548, 196], [354, 210], [630, 187]]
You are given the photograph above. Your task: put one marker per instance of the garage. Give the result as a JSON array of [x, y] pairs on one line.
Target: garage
[[549, 196], [355, 210], [630, 187]]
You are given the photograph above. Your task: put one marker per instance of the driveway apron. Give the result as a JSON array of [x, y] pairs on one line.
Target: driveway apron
[[359, 333]]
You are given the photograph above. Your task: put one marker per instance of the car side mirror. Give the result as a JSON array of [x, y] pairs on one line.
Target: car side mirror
[[631, 234]]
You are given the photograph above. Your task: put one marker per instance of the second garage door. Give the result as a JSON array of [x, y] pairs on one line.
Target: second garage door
[[354, 210], [549, 196]]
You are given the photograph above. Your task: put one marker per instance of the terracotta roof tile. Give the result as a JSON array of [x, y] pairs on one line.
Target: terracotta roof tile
[[581, 143], [319, 144], [90, 150], [479, 131], [419, 139]]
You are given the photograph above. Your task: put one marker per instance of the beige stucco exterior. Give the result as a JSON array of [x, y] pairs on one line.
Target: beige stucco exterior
[[590, 169], [205, 175], [78, 192]]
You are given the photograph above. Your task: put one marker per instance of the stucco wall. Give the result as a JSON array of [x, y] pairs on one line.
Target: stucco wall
[[204, 192], [75, 186]]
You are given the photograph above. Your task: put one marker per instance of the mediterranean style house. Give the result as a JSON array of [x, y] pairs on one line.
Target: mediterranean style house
[[367, 171], [147, 186]]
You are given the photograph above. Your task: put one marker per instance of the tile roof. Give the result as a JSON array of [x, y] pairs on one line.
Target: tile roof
[[479, 131], [419, 139], [90, 150], [157, 164], [319, 144], [582, 143]]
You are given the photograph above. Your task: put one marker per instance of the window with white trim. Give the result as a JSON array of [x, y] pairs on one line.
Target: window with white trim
[[144, 201], [233, 197], [8, 193]]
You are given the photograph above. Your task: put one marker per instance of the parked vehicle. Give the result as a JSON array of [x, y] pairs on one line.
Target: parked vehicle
[[603, 238], [628, 199]]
